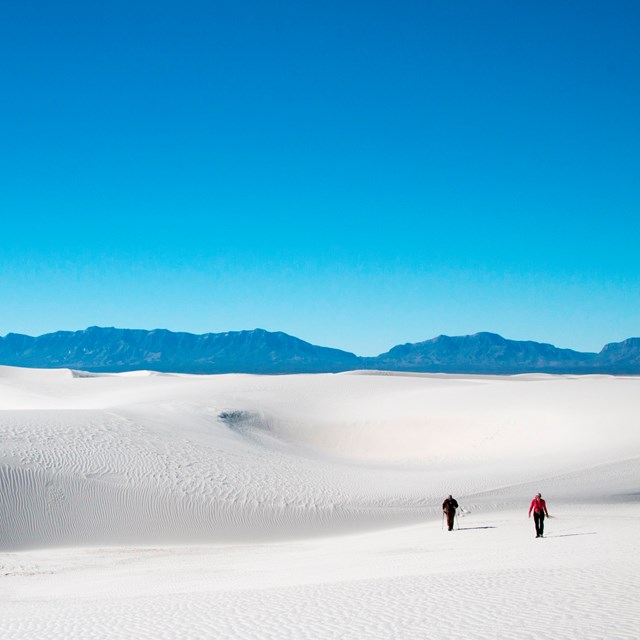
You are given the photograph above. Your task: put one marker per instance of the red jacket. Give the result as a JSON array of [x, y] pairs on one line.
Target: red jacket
[[538, 505]]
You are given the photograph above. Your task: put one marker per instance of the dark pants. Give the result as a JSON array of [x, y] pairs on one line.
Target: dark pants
[[450, 517], [538, 518]]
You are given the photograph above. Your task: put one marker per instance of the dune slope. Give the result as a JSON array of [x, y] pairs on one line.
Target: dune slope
[[143, 458]]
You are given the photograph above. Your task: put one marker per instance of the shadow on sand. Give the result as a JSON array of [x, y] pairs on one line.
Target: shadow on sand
[[568, 535], [473, 528]]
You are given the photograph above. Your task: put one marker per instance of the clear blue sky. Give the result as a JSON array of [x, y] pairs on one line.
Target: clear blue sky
[[357, 174]]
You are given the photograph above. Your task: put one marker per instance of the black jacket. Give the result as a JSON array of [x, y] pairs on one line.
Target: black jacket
[[449, 505]]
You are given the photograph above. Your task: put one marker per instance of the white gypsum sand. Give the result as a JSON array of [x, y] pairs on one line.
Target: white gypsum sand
[[151, 505]]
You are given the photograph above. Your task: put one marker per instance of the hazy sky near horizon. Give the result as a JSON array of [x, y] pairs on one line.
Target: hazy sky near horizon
[[358, 174]]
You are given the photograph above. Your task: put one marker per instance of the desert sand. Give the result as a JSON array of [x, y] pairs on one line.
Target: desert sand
[[148, 505]]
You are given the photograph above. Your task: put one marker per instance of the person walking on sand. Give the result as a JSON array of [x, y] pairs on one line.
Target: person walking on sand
[[449, 507], [539, 508]]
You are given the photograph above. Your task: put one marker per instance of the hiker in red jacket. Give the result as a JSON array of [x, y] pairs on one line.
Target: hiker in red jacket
[[539, 508]]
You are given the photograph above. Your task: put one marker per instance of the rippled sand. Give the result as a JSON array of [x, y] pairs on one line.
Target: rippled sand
[[175, 506]]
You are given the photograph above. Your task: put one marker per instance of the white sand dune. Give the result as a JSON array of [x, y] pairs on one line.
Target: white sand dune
[[308, 506]]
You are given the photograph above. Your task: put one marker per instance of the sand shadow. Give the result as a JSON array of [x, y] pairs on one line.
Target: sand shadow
[[474, 528], [569, 535]]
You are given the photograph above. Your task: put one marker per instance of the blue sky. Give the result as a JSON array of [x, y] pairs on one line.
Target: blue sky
[[357, 174]]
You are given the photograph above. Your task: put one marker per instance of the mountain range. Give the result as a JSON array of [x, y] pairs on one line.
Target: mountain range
[[107, 349]]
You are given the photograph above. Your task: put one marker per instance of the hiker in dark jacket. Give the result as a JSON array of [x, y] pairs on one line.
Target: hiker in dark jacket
[[539, 508], [449, 507]]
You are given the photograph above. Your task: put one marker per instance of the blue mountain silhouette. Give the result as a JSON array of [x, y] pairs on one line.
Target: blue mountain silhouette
[[102, 349]]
